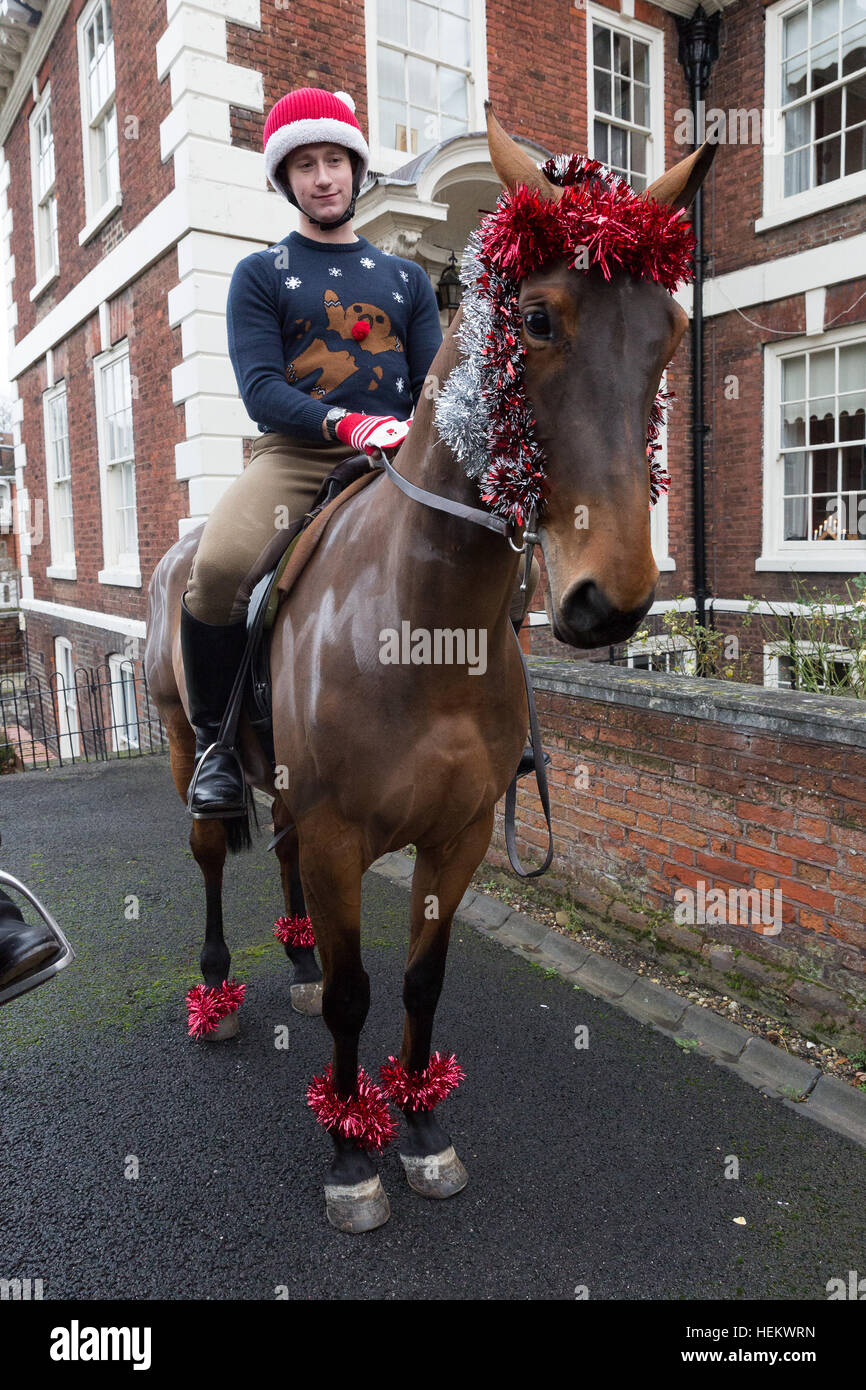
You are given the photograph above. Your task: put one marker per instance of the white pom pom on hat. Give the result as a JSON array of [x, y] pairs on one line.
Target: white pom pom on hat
[[344, 96]]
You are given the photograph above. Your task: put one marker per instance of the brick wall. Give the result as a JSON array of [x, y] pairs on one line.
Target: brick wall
[[145, 180], [660, 784]]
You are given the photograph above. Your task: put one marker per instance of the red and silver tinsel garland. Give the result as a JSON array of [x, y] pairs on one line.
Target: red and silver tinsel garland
[[294, 931], [421, 1090], [363, 1117], [482, 412], [207, 1005]]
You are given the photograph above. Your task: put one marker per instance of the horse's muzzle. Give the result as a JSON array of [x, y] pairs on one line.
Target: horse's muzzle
[[586, 618]]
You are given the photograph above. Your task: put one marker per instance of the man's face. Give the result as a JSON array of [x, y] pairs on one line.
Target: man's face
[[320, 176]]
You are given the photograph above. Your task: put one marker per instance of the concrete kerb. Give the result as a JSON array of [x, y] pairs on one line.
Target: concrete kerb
[[802, 1087]]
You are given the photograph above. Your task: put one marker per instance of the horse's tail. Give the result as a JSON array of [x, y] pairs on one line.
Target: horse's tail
[[237, 828]]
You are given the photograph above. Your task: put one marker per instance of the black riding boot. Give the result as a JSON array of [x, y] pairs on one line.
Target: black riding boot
[[527, 759], [23, 949], [211, 657]]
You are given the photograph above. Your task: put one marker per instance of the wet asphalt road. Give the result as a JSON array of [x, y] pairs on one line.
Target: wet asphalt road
[[601, 1168]]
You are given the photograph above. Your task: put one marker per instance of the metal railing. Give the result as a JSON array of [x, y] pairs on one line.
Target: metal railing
[[106, 712]]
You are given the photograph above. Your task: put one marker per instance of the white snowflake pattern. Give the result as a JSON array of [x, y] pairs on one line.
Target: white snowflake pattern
[[400, 384], [334, 270], [367, 263], [398, 297], [404, 276], [292, 282]]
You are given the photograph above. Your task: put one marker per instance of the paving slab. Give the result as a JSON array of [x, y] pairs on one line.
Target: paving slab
[[652, 1003], [839, 1106], [487, 912], [719, 1037], [523, 931], [773, 1070], [606, 977]]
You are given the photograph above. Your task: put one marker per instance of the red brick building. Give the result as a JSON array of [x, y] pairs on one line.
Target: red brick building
[[133, 182]]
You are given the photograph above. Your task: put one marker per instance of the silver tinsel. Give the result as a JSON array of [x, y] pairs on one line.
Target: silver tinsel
[[462, 410]]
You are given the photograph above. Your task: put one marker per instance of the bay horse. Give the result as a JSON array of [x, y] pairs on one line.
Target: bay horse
[[383, 755]]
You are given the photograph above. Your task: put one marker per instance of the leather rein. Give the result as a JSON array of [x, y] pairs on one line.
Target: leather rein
[[530, 540]]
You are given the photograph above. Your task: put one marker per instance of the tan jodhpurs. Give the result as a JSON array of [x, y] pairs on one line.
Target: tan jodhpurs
[[276, 488]]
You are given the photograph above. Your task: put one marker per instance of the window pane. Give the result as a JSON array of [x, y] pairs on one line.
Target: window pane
[[852, 367], [793, 424], [618, 148], [391, 20], [825, 63], [602, 92], [795, 474], [640, 97], [828, 160], [852, 415], [822, 421], [855, 100], [828, 113], [796, 519], [449, 126], [638, 153], [796, 32], [452, 94], [392, 121], [601, 46], [855, 150], [824, 472], [825, 19], [794, 79], [796, 172], [390, 69], [422, 82], [424, 129], [794, 379], [622, 99], [854, 469], [640, 59], [423, 30], [599, 138], [454, 39], [621, 54]]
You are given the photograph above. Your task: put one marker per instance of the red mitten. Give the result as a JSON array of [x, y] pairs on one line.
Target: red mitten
[[372, 432]]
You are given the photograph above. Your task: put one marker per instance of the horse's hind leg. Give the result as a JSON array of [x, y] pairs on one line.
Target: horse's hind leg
[[344, 1100], [441, 877], [208, 843], [296, 929]]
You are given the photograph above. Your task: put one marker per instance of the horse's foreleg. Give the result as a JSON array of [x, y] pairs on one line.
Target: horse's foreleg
[[295, 930], [214, 1021], [419, 1081], [344, 1100]]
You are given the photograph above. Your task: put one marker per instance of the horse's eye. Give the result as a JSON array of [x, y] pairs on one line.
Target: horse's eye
[[538, 323]]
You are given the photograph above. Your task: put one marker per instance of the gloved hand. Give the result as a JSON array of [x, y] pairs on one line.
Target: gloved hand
[[372, 432]]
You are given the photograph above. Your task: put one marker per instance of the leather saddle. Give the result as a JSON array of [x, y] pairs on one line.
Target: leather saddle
[[285, 559]]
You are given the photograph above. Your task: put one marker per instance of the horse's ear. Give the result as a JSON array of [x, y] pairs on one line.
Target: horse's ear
[[512, 164], [677, 188]]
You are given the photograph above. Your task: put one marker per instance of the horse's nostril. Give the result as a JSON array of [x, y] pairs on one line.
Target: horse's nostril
[[586, 607]]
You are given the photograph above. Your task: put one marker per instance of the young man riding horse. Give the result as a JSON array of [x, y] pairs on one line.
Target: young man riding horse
[[331, 340]]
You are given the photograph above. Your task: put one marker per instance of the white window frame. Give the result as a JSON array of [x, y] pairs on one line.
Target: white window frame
[[118, 567], [382, 157], [816, 557], [95, 216], [63, 562], [773, 651], [124, 734], [777, 209], [655, 38], [68, 728], [46, 272], [664, 644]]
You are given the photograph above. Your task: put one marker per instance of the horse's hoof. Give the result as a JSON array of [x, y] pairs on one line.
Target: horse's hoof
[[361, 1207], [228, 1027], [436, 1175], [307, 999]]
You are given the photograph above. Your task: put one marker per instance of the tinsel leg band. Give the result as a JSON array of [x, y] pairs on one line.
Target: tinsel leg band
[[363, 1117], [294, 931], [207, 1005], [421, 1090]]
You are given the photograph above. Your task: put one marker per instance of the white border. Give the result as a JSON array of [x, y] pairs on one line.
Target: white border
[[94, 216], [382, 157], [777, 209], [121, 572], [817, 557], [63, 563], [45, 274], [655, 38]]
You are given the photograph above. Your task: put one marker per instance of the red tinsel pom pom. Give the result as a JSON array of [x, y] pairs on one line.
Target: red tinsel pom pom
[[421, 1090], [364, 1117], [207, 1005], [294, 931], [360, 330]]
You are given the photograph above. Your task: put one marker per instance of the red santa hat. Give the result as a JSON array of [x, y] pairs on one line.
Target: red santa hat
[[312, 116]]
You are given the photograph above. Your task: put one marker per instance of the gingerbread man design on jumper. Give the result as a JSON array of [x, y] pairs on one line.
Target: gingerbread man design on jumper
[[364, 324]]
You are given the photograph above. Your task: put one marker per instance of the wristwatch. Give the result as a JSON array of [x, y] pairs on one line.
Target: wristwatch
[[336, 413]]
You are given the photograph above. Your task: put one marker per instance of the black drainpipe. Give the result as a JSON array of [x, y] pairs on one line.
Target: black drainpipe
[[698, 50]]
